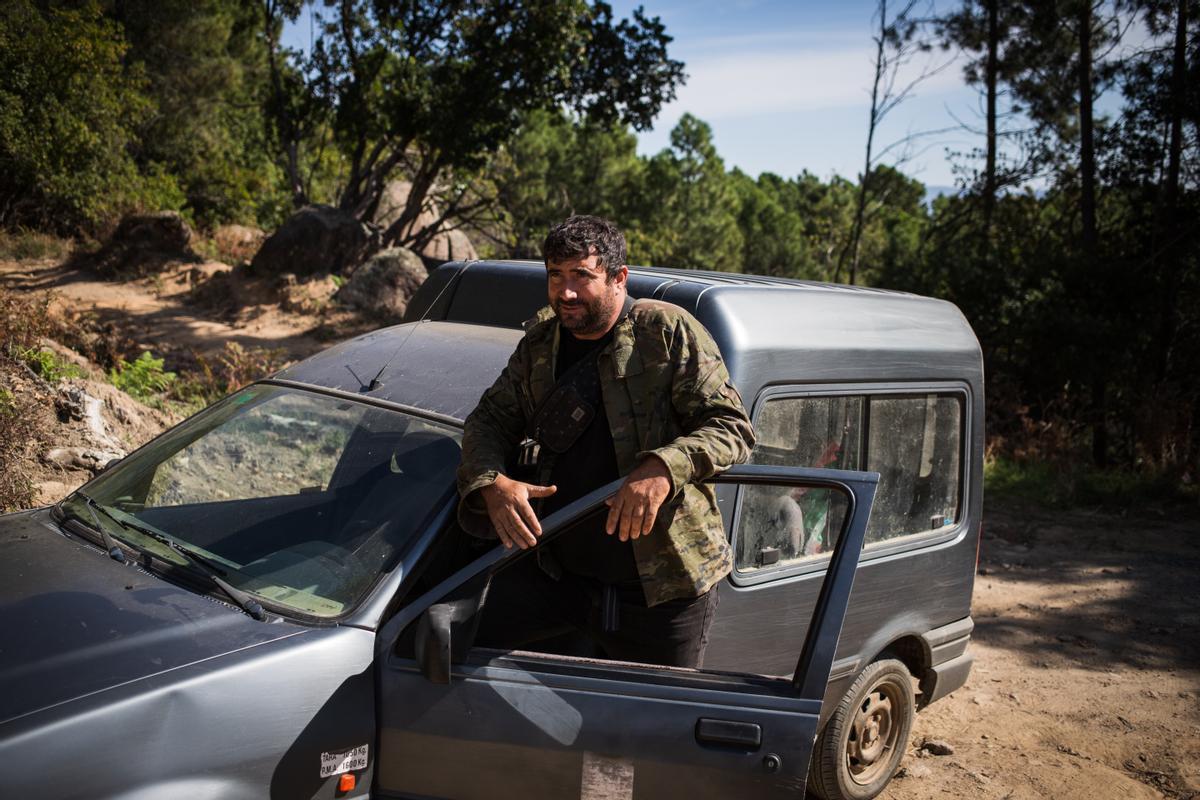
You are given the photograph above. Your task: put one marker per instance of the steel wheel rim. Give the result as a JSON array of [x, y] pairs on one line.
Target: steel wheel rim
[[873, 733]]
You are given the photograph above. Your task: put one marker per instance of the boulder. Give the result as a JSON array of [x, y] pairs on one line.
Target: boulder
[[144, 243], [445, 246], [385, 283], [236, 244], [315, 239]]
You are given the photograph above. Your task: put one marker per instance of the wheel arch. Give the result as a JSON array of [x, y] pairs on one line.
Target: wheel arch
[[912, 651]]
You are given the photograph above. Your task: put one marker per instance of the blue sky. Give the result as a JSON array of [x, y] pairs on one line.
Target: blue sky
[[785, 85]]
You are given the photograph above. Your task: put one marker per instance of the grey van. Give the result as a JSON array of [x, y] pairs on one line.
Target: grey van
[[272, 598]]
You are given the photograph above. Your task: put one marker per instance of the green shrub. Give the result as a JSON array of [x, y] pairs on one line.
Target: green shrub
[[143, 378], [212, 379], [22, 244], [1064, 485], [49, 365]]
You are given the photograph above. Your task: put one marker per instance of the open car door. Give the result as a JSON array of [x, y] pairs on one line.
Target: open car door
[[493, 724]]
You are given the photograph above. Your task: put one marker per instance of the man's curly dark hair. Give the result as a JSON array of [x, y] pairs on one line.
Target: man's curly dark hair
[[583, 235]]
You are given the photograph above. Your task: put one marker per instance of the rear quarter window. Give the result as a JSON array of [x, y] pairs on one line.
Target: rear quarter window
[[913, 440]]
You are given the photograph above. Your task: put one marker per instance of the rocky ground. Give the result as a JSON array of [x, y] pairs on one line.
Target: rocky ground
[[1087, 675], [1087, 636]]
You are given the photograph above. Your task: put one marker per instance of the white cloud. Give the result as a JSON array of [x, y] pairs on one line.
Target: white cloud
[[749, 81]]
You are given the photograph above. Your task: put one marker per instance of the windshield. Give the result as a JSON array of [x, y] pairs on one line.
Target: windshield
[[299, 498]]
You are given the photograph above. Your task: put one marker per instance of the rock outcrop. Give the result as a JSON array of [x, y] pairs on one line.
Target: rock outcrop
[[384, 284], [144, 243], [446, 246], [315, 239], [237, 244]]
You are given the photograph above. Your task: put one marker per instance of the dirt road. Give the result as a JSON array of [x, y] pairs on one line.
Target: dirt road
[[1087, 674]]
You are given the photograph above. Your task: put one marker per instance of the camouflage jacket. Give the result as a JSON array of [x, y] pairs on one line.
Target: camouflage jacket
[[666, 393]]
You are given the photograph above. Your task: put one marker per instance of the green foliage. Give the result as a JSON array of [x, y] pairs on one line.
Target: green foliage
[[49, 365], [205, 75], [143, 378], [688, 208], [681, 208], [556, 166], [1062, 486], [68, 109], [212, 379], [438, 87], [22, 244]]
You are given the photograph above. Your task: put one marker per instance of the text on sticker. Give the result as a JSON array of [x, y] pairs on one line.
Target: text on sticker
[[343, 761]]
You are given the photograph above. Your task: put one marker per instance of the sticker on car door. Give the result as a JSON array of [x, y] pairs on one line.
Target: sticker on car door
[[343, 761]]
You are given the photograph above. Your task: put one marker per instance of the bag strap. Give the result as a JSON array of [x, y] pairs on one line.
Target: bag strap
[[573, 372]]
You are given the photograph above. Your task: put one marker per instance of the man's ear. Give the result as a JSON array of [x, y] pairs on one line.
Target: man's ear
[[622, 276]]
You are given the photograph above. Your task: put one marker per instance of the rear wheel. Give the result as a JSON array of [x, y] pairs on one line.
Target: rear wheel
[[860, 748]]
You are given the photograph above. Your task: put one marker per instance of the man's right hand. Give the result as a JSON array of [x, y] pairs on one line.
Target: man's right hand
[[508, 508]]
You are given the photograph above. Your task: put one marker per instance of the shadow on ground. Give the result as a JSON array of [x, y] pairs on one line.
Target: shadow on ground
[[1116, 590]]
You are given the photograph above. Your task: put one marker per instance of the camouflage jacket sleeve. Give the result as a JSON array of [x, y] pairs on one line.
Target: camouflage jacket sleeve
[[716, 429], [490, 435]]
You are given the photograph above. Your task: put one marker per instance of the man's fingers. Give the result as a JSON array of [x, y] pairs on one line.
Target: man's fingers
[[627, 519], [502, 535], [648, 521], [614, 514], [541, 491], [636, 520], [520, 533], [525, 512]]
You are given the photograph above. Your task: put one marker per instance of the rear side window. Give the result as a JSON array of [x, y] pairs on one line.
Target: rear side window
[[914, 442]]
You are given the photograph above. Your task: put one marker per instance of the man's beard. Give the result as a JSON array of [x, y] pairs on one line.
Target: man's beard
[[594, 318]]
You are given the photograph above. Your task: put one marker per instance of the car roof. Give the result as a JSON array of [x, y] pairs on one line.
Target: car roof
[[438, 367], [770, 330], [465, 320]]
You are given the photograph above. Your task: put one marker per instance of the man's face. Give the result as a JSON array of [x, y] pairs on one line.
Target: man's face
[[583, 297]]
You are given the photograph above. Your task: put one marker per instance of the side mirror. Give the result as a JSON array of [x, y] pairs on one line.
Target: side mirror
[[446, 630], [433, 643]]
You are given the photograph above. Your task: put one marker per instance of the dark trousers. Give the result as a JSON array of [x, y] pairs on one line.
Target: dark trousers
[[525, 605]]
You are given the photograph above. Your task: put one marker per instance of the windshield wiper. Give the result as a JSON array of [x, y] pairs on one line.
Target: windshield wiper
[[208, 568], [114, 550]]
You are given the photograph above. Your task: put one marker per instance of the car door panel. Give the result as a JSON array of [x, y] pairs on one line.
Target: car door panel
[[572, 732], [534, 725]]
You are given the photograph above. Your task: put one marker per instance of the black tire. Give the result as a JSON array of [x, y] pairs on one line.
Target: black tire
[[860, 748]]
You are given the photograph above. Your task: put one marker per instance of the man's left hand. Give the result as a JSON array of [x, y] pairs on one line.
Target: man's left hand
[[633, 509]]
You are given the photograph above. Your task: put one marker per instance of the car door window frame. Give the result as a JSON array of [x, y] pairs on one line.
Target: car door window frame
[[877, 552], [820, 639]]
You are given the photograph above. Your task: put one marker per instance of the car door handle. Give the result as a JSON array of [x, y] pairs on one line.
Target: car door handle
[[727, 732]]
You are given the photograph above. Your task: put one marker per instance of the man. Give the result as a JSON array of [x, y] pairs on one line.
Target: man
[[602, 387]]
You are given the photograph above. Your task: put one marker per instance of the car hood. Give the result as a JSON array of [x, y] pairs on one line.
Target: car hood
[[76, 622]]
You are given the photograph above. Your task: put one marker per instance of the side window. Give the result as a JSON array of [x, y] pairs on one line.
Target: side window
[[913, 441], [914, 445], [780, 525]]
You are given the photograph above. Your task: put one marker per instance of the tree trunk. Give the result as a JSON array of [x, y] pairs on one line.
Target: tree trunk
[[990, 72], [1178, 89], [1170, 243], [1087, 146], [860, 206], [276, 120], [1087, 214]]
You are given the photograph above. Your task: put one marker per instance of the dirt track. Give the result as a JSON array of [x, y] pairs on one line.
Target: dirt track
[[1087, 638], [1087, 673]]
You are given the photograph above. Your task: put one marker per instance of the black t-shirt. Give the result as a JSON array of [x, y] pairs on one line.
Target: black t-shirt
[[591, 462]]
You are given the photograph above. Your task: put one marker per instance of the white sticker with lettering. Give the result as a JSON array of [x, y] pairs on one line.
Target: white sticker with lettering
[[343, 761], [606, 778]]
